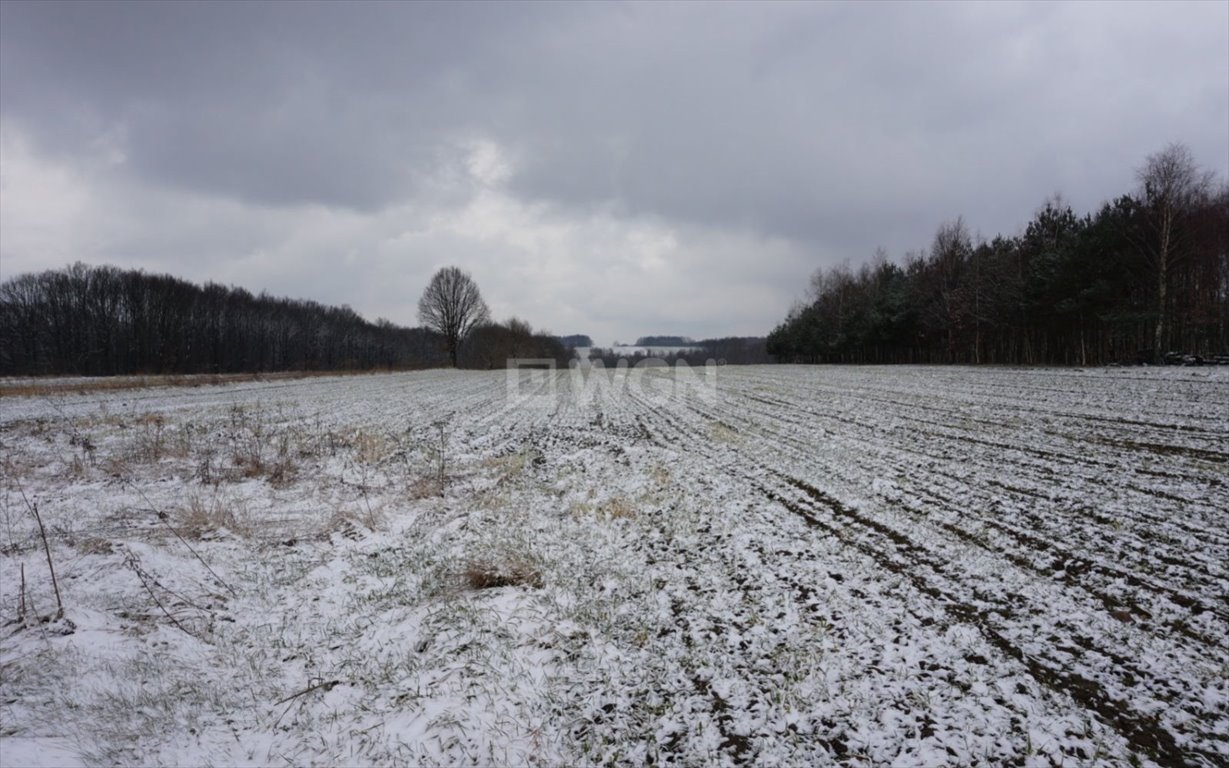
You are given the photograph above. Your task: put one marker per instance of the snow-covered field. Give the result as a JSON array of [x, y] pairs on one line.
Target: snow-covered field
[[814, 566]]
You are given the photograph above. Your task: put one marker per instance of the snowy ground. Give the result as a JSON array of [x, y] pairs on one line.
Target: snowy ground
[[814, 566]]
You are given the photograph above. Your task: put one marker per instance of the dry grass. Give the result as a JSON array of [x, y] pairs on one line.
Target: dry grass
[[487, 574], [249, 450], [150, 444], [95, 546], [259, 453], [94, 421], [116, 466], [507, 467], [77, 468], [202, 518], [351, 523], [723, 433], [425, 487], [280, 472], [34, 387], [370, 448], [16, 467], [617, 508]]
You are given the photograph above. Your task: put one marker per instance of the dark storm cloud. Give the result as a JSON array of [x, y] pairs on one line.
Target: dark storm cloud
[[272, 103], [808, 115], [750, 113], [832, 128]]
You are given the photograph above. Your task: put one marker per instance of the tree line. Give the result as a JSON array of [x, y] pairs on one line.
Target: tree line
[[102, 321], [492, 345], [664, 341], [728, 350], [452, 306], [1145, 275]]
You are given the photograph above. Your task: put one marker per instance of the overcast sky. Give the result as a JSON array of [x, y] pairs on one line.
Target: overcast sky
[[613, 169]]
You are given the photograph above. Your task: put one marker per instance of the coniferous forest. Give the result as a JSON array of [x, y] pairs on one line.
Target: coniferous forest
[[1145, 276]]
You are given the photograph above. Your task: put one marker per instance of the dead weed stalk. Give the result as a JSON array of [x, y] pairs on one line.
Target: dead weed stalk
[[162, 517], [42, 532]]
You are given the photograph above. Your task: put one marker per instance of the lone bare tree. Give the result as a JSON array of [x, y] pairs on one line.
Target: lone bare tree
[[452, 305], [1173, 186]]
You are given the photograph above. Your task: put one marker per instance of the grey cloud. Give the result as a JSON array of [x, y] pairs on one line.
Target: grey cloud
[[874, 108], [755, 114], [270, 103]]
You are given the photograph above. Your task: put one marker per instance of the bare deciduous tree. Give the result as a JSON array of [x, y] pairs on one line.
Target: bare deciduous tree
[[452, 305], [1173, 186]]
